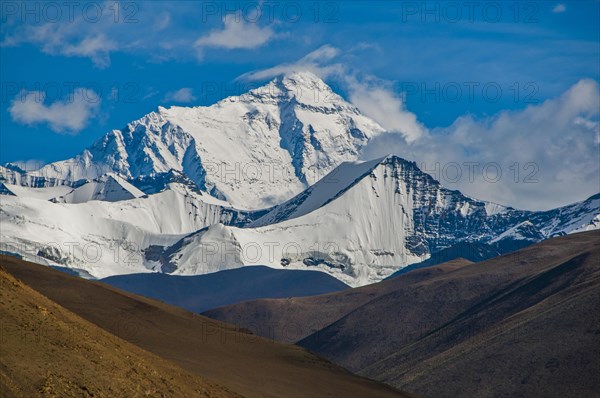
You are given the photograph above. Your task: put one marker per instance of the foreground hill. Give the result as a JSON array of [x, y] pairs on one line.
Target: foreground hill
[[48, 351], [538, 337], [525, 324], [242, 362], [202, 292]]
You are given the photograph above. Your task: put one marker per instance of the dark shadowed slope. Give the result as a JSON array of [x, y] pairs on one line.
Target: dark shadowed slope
[[525, 324], [472, 251], [244, 363], [293, 319], [538, 338], [48, 351], [202, 292]]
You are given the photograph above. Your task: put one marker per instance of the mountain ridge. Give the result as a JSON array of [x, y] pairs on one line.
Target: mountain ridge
[[335, 226], [421, 218]]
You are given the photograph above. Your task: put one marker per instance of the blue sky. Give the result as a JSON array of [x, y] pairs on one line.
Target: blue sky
[[425, 56]]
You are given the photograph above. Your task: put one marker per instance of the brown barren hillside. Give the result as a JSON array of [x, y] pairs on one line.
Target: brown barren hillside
[[48, 351], [244, 363], [292, 319], [525, 324], [539, 337]]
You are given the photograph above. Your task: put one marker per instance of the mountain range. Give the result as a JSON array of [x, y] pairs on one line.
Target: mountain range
[[271, 177]]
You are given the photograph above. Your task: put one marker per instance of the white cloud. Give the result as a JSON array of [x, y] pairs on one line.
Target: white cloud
[[559, 8], [236, 34], [378, 101], [68, 116], [163, 20], [555, 145], [184, 95], [150, 92], [316, 62], [97, 48], [156, 31], [69, 39], [321, 55], [81, 31]]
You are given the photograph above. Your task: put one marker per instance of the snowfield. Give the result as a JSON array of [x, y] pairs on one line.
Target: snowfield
[[105, 237]]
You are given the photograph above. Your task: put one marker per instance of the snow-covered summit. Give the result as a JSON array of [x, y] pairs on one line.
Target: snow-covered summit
[[254, 150], [303, 88]]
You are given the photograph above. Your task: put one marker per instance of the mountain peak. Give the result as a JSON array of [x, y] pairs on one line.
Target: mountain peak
[[303, 79], [395, 159], [302, 87]]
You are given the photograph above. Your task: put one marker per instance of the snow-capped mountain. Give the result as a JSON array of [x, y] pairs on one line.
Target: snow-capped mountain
[[106, 238], [109, 188], [522, 231], [270, 177], [13, 175], [364, 221], [253, 150]]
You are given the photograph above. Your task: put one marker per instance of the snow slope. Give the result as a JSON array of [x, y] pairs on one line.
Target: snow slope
[[109, 188], [45, 193], [107, 238]]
